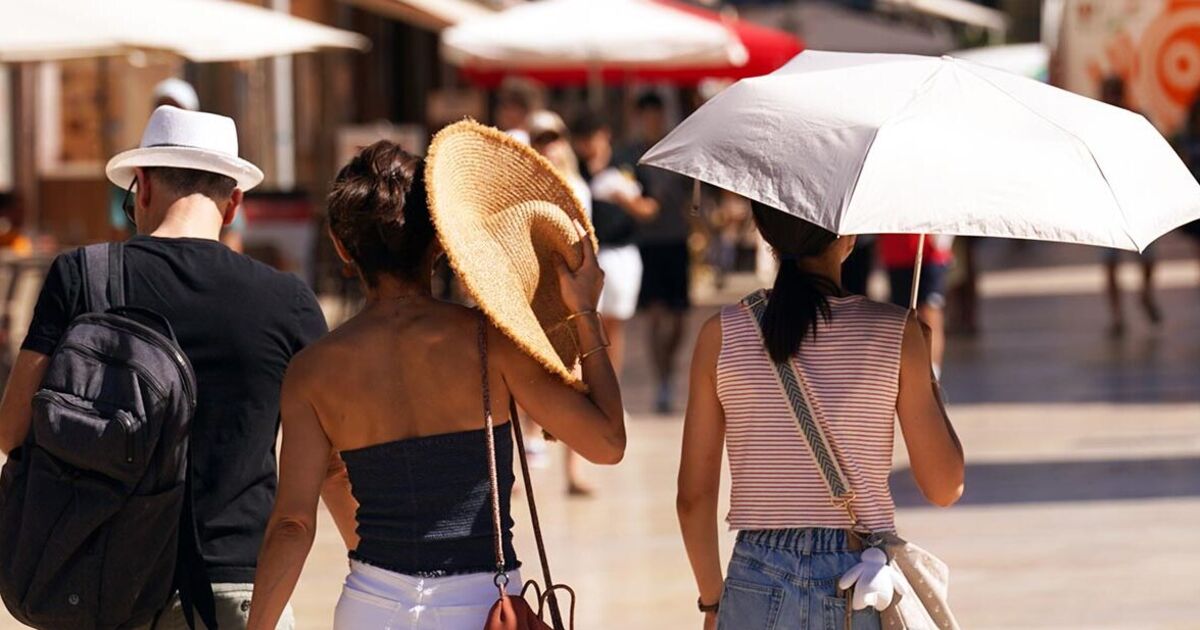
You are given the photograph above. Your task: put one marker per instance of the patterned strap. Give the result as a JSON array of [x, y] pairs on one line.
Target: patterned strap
[[796, 390]]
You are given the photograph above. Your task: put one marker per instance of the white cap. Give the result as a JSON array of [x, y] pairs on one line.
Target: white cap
[[179, 92]]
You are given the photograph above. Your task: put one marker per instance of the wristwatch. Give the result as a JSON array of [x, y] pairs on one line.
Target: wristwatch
[[707, 608]]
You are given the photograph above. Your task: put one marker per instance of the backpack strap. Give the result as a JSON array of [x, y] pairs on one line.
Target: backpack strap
[[103, 276]]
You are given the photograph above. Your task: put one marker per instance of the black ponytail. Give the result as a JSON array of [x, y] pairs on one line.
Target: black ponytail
[[798, 299]]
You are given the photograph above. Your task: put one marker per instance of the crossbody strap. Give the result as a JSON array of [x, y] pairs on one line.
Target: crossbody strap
[[795, 389], [519, 446]]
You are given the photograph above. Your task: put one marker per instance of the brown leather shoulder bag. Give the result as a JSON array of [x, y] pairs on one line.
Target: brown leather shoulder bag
[[514, 612]]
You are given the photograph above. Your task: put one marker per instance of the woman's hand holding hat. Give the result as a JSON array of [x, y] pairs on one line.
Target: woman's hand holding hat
[[581, 287]]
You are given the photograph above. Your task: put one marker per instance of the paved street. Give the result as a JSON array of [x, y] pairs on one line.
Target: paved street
[[1083, 481]]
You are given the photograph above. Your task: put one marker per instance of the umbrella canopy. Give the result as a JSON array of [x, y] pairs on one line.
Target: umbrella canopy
[[591, 34], [1027, 60], [766, 50], [863, 143], [200, 30]]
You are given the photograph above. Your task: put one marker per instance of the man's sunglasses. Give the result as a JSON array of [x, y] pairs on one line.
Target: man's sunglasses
[[127, 203]]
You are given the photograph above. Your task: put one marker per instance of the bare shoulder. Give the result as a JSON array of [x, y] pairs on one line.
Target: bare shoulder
[[710, 330], [708, 345]]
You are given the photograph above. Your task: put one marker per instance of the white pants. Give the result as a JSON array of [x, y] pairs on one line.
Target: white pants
[[378, 599], [622, 281]]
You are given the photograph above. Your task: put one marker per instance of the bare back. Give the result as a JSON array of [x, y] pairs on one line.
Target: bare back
[[401, 371]]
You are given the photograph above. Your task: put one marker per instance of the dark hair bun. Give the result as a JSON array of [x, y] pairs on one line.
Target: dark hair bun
[[379, 211]]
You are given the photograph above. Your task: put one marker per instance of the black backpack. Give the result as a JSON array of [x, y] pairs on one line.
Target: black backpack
[[92, 502]]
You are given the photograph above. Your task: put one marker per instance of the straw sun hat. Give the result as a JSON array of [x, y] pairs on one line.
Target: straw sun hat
[[502, 213]]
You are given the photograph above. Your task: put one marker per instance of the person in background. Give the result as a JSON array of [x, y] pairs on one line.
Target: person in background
[[548, 136], [863, 363], [856, 272], [1112, 91], [516, 99], [898, 252], [618, 206], [1187, 143], [663, 244]]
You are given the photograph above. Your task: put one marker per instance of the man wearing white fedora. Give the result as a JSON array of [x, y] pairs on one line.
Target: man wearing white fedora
[[238, 321]]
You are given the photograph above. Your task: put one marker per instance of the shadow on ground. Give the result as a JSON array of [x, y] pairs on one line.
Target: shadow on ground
[[1043, 482]]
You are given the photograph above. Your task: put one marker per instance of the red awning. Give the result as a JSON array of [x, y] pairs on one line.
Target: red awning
[[768, 50]]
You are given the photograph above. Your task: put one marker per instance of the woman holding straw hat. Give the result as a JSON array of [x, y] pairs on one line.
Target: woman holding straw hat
[[406, 390]]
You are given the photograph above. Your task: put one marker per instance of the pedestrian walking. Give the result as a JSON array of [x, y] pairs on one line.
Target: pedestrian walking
[[1112, 91], [619, 207], [663, 245], [548, 136], [862, 362], [1187, 144], [898, 253], [237, 322], [406, 390]]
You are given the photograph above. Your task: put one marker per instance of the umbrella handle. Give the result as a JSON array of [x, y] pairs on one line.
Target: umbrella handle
[[916, 280]]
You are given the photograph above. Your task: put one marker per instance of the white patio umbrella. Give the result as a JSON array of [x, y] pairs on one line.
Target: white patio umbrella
[[593, 33], [199, 30], [871, 144]]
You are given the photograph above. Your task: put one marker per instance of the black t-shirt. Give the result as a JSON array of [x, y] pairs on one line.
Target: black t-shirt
[[239, 322], [613, 226]]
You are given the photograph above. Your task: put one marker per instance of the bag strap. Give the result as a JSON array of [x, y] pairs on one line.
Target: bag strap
[[501, 579], [103, 276], [795, 388]]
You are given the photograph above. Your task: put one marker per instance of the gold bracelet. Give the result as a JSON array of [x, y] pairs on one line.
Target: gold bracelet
[[574, 316], [599, 348]]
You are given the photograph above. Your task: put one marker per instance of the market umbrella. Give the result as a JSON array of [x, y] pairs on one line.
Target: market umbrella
[[199, 30], [593, 35], [872, 144], [766, 50]]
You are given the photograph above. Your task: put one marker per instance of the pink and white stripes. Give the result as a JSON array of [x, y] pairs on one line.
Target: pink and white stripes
[[853, 370]]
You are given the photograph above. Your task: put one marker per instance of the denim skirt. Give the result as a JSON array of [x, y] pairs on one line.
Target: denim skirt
[[786, 579]]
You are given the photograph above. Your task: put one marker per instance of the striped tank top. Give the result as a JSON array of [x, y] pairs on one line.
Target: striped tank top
[[853, 370]]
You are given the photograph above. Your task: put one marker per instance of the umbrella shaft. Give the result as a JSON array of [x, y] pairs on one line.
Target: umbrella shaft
[[916, 279]]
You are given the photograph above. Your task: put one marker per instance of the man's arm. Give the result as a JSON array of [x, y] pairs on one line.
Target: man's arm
[[17, 407], [56, 306]]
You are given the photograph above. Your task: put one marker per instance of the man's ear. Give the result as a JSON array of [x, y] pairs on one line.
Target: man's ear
[[145, 189], [229, 212]]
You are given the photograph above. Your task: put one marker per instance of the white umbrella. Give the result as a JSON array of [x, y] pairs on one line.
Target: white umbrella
[[871, 144], [200, 30], [1027, 60]]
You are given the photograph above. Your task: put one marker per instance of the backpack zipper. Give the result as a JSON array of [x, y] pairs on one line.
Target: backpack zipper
[[141, 371], [155, 338]]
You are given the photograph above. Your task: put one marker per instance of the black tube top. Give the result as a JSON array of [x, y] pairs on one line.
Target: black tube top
[[424, 504]]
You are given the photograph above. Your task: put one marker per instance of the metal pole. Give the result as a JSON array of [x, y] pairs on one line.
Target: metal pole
[[284, 111], [916, 280], [595, 88]]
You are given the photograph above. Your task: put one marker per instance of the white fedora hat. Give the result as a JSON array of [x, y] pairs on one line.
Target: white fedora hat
[[178, 138]]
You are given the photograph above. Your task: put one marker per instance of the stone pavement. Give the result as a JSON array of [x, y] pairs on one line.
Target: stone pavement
[[1083, 481]]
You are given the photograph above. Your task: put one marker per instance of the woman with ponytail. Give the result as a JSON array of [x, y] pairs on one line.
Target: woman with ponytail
[[863, 363]]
